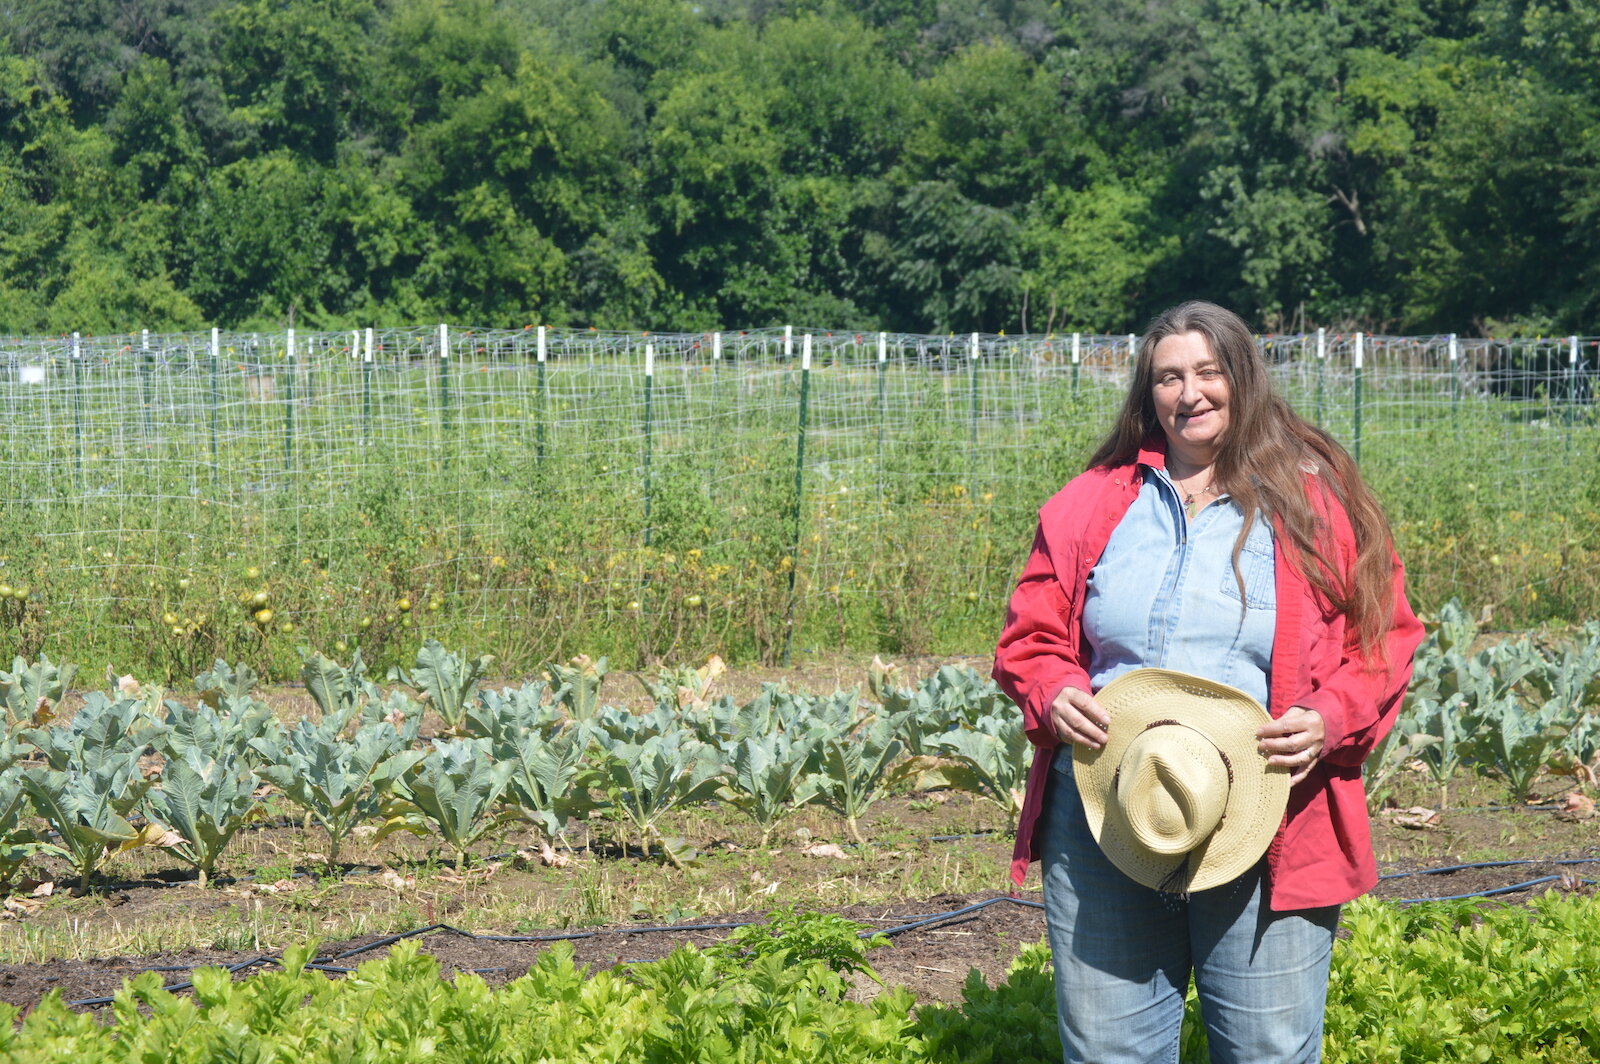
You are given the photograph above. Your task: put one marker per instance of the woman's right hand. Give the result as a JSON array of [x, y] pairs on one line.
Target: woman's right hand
[[1078, 718]]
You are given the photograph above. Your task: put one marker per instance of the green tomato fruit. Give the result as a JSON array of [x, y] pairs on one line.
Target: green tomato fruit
[[183, 583], [20, 592], [404, 605], [263, 617], [252, 573], [259, 599]]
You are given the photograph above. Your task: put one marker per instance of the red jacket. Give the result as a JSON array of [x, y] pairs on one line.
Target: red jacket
[[1322, 852]]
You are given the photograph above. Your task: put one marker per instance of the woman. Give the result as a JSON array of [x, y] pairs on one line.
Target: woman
[[1216, 533]]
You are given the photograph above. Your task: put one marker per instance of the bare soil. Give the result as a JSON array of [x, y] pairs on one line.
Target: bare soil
[[912, 869]]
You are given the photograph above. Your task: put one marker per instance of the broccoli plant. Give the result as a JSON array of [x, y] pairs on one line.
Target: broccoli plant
[[547, 768], [452, 791], [334, 687], [857, 769], [648, 780], [223, 681], [18, 844], [772, 776], [205, 800], [102, 726], [501, 716], [337, 781], [88, 804], [29, 689], [989, 759], [447, 680], [578, 685]]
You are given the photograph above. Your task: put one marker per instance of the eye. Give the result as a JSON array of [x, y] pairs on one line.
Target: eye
[[1210, 374]]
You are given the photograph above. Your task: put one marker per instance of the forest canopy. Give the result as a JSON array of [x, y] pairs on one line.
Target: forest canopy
[[917, 165]]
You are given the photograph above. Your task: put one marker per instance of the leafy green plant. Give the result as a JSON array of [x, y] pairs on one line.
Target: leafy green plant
[[448, 680], [224, 681], [209, 733], [1518, 742], [335, 687], [770, 778], [18, 843], [501, 716], [990, 758], [29, 687], [857, 769], [546, 771], [648, 780], [578, 683], [800, 936], [101, 727], [337, 781], [87, 804], [205, 799], [452, 791]]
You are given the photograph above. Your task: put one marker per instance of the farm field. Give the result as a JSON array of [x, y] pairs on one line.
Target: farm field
[[923, 850], [241, 496]]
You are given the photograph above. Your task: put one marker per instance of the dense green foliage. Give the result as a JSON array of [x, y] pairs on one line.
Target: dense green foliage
[[904, 164], [1436, 982]]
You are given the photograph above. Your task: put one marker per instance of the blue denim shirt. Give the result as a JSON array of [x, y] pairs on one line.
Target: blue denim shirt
[[1164, 593]]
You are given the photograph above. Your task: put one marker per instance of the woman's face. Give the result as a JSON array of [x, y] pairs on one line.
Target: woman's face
[[1191, 397]]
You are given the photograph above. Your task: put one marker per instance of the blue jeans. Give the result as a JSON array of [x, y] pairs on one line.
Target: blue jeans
[[1123, 954]]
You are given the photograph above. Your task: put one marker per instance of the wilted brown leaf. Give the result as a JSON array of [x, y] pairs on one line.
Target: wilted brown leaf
[[1576, 806], [825, 849], [1419, 817]]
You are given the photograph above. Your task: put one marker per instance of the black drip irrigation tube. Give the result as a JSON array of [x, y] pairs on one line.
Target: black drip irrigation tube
[[1491, 892], [329, 963]]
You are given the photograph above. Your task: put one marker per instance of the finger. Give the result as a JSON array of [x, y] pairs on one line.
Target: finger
[[1088, 708], [1072, 726]]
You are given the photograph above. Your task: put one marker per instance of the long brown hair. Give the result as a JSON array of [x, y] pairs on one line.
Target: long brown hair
[[1263, 462]]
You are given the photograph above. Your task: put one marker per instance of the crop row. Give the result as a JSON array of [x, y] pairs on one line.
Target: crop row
[[539, 755], [1512, 708], [133, 769], [1437, 982]]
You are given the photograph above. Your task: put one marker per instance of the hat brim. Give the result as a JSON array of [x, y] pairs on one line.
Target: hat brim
[[1258, 793]]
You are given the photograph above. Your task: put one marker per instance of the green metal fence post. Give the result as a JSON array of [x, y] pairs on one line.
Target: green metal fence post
[[1359, 360], [288, 401], [972, 423], [1572, 379], [883, 410], [649, 383], [538, 431], [366, 386], [146, 367], [1322, 375], [799, 496], [445, 421], [216, 397], [1455, 384], [77, 402]]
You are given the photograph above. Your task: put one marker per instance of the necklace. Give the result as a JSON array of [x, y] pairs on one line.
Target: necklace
[[1190, 498]]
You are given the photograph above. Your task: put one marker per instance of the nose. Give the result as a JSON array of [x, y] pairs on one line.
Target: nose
[[1189, 390]]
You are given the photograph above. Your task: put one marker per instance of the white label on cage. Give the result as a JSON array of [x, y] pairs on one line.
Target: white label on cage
[[649, 360], [541, 343], [32, 374], [883, 347], [805, 353], [1077, 347]]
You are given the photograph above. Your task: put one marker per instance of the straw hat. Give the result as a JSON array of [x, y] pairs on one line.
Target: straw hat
[[1179, 798]]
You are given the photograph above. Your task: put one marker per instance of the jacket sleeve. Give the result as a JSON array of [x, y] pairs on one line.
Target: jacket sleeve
[[1039, 652], [1361, 699]]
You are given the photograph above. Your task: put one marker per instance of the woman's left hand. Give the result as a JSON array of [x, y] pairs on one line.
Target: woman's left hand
[[1294, 740]]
